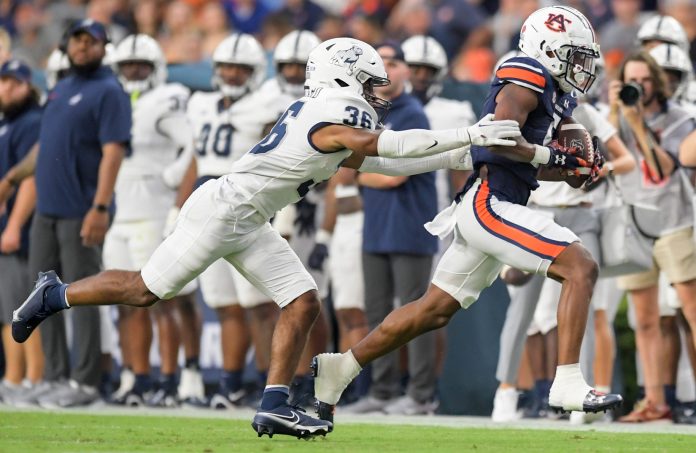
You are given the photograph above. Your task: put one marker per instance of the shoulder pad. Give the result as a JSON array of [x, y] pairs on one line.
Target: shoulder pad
[[523, 71], [341, 107], [199, 99], [176, 89]]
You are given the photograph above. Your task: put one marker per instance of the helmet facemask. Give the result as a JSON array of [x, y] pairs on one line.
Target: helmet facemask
[[579, 66], [232, 91], [135, 81], [369, 82]]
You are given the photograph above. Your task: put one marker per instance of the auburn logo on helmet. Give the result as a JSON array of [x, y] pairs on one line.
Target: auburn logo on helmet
[[556, 22]]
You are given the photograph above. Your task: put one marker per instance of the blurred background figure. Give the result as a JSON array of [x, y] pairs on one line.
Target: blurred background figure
[[19, 133]]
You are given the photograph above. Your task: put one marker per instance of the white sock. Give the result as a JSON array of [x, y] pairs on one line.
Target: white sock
[[569, 388], [333, 381], [603, 388], [65, 296]]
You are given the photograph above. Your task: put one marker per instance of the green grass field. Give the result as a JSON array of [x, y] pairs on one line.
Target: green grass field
[[58, 432]]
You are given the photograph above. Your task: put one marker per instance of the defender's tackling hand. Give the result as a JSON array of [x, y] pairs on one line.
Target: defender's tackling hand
[[489, 132]]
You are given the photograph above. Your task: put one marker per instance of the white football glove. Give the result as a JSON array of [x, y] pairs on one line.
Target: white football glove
[[170, 223], [459, 159], [489, 132]]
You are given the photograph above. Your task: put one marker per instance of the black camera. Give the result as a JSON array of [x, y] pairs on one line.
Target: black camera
[[630, 93]]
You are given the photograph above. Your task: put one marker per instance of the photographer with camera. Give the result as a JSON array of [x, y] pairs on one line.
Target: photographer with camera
[[654, 128]]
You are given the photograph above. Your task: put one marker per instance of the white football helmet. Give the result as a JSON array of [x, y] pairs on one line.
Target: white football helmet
[[140, 48], [426, 51], [347, 64], [293, 48], [671, 57], [665, 29], [563, 41], [109, 54], [240, 49], [57, 67]]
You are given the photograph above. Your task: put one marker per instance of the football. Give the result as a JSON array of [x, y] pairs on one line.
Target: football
[[573, 134]]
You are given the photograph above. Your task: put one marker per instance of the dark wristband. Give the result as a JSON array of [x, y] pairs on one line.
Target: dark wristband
[[101, 208]]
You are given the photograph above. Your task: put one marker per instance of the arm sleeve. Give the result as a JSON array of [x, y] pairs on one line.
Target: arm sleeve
[[420, 142], [409, 167], [114, 117]]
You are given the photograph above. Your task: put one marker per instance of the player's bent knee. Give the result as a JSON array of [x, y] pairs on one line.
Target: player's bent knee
[[307, 304], [141, 294]]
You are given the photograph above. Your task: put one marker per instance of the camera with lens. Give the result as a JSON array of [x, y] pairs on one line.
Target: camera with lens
[[631, 93]]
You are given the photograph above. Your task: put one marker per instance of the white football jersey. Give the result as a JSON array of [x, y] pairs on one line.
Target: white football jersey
[[141, 192], [223, 135], [270, 94], [282, 168]]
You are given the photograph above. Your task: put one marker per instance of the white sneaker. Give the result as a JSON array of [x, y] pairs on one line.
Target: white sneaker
[[583, 418], [505, 406], [406, 405], [127, 383], [191, 385], [366, 405]]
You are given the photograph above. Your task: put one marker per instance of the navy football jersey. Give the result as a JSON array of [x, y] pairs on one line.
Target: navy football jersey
[[510, 180]]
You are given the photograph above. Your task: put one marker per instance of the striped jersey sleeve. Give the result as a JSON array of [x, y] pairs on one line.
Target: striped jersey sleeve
[[522, 71]]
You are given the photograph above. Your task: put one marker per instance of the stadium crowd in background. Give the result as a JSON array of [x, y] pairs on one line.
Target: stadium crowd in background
[[441, 55]]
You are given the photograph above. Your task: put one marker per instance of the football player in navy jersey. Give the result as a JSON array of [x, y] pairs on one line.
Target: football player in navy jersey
[[492, 226]]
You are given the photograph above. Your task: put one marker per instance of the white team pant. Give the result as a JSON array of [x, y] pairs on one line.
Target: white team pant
[[211, 227], [490, 232], [222, 285], [128, 246], [345, 262]]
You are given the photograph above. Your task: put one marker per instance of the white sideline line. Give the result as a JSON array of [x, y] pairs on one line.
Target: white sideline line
[[448, 421]]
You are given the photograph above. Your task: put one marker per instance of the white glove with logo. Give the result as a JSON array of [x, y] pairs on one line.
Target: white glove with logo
[[488, 132], [459, 159]]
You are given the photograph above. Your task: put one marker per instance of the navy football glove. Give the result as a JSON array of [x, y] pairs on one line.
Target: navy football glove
[[566, 157]]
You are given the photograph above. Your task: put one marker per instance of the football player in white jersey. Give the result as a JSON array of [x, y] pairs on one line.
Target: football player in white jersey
[[161, 146], [290, 61], [332, 125], [227, 123]]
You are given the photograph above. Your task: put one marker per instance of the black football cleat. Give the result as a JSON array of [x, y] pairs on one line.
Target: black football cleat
[[596, 402], [34, 309], [290, 421]]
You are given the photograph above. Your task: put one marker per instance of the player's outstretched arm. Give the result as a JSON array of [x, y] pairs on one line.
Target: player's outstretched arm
[[415, 142], [456, 159]]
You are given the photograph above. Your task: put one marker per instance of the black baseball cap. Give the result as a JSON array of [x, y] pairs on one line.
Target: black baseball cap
[[94, 28], [16, 69], [396, 47]]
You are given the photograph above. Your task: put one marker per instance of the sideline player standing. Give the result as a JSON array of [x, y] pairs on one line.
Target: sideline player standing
[[492, 224], [161, 146], [226, 123], [333, 125]]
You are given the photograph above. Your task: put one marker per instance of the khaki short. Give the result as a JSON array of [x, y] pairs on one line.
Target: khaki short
[[674, 254]]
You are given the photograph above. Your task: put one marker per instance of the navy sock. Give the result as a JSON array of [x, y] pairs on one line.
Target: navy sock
[[143, 383], [671, 395], [168, 382], [231, 381], [263, 377], [274, 396], [192, 363], [542, 388], [54, 298]]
